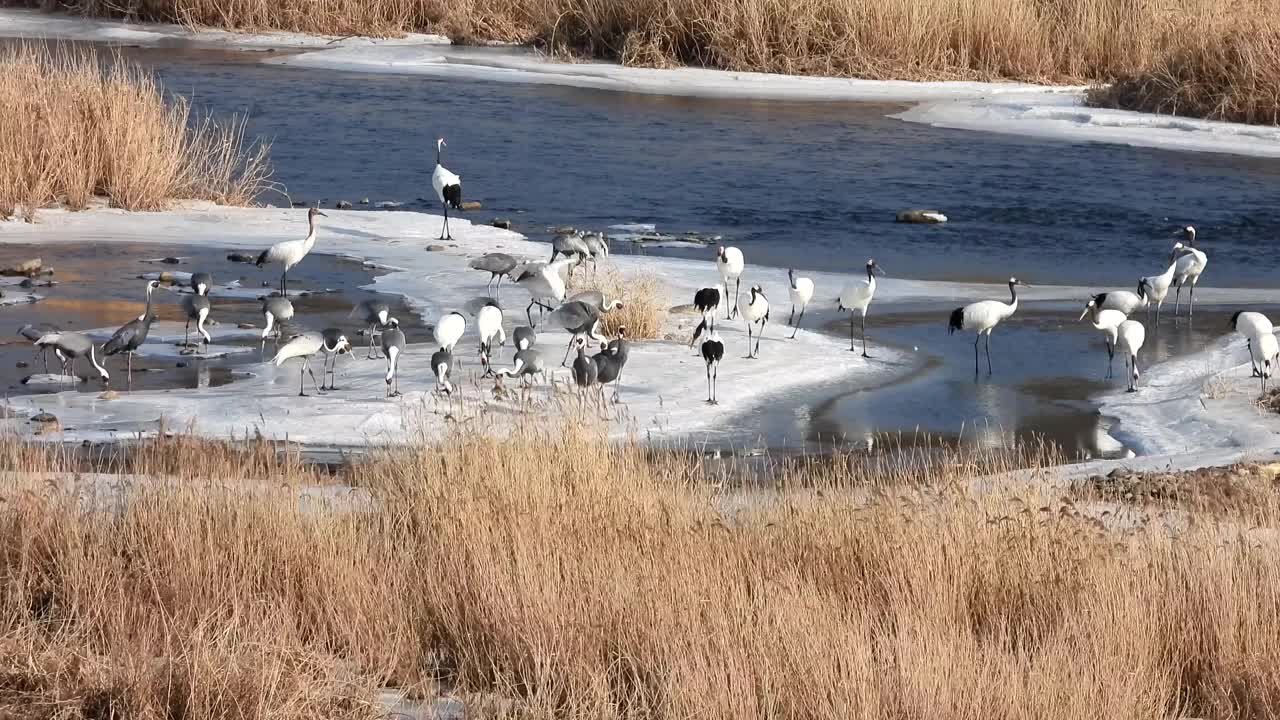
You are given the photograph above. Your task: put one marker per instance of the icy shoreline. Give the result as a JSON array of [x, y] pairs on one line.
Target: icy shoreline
[[1047, 112], [664, 382]]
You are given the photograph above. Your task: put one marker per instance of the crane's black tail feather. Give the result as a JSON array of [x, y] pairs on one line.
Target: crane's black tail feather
[[262, 259], [453, 196], [957, 321]]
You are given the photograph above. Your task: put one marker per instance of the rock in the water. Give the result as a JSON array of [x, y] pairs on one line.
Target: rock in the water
[[923, 217], [471, 205], [27, 283], [23, 363], [342, 205], [171, 261], [503, 223], [44, 417], [180, 364], [299, 203], [245, 326], [46, 423], [26, 268], [388, 204], [109, 395], [242, 258], [364, 201], [435, 248]]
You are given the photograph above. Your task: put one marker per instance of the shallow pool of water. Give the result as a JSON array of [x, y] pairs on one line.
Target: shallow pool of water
[[100, 286]]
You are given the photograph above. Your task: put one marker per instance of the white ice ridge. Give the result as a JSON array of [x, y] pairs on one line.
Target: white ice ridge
[[1065, 117]]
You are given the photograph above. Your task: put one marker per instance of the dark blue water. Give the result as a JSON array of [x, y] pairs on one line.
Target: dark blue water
[[793, 184]]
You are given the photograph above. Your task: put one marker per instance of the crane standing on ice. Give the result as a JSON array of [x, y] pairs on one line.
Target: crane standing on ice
[[290, 252], [448, 188]]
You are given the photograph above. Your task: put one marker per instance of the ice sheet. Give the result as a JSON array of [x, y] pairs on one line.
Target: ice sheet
[[664, 382], [1064, 117]]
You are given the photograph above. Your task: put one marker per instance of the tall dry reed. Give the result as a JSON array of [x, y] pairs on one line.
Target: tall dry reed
[[77, 127], [1189, 56], [573, 578]]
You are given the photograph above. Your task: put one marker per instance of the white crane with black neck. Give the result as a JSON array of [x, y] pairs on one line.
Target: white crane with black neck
[[290, 252]]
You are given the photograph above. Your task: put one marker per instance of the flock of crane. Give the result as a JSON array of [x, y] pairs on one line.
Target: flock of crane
[[582, 314]]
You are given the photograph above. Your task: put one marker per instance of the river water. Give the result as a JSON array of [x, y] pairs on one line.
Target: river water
[[804, 185]]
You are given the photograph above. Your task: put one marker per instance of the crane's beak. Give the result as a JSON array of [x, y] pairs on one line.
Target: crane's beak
[[1086, 312], [879, 270], [322, 214]]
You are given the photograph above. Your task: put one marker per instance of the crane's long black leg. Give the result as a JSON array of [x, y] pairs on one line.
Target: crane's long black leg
[[976, 339], [715, 377], [792, 318], [1191, 300], [852, 348], [709, 383], [130, 374], [301, 378], [1111, 358], [799, 320], [728, 309], [284, 284], [737, 289], [988, 353], [566, 350], [759, 335], [864, 334]]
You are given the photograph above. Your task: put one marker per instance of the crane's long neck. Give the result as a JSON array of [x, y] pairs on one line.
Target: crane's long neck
[[310, 240], [393, 357], [437, 153], [871, 279], [270, 321], [791, 278], [93, 359], [200, 316], [147, 313], [1013, 295]]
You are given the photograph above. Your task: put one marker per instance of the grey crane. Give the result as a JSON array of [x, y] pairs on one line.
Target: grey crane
[[585, 372], [197, 307], [375, 314], [570, 244], [333, 343], [34, 333], [597, 246], [69, 346], [497, 265], [132, 334], [524, 365], [278, 311], [201, 283], [611, 360], [393, 347], [525, 337], [580, 319], [442, 366]]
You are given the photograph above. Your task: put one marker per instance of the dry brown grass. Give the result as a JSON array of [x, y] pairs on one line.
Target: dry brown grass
[[643, 298], [73, 128], [581, 579], [1024, 39], [1233, 76]]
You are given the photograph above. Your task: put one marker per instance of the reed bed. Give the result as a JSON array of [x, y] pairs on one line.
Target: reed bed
[[558, 575], [74, 127], [1197, 57], [643, 297]]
